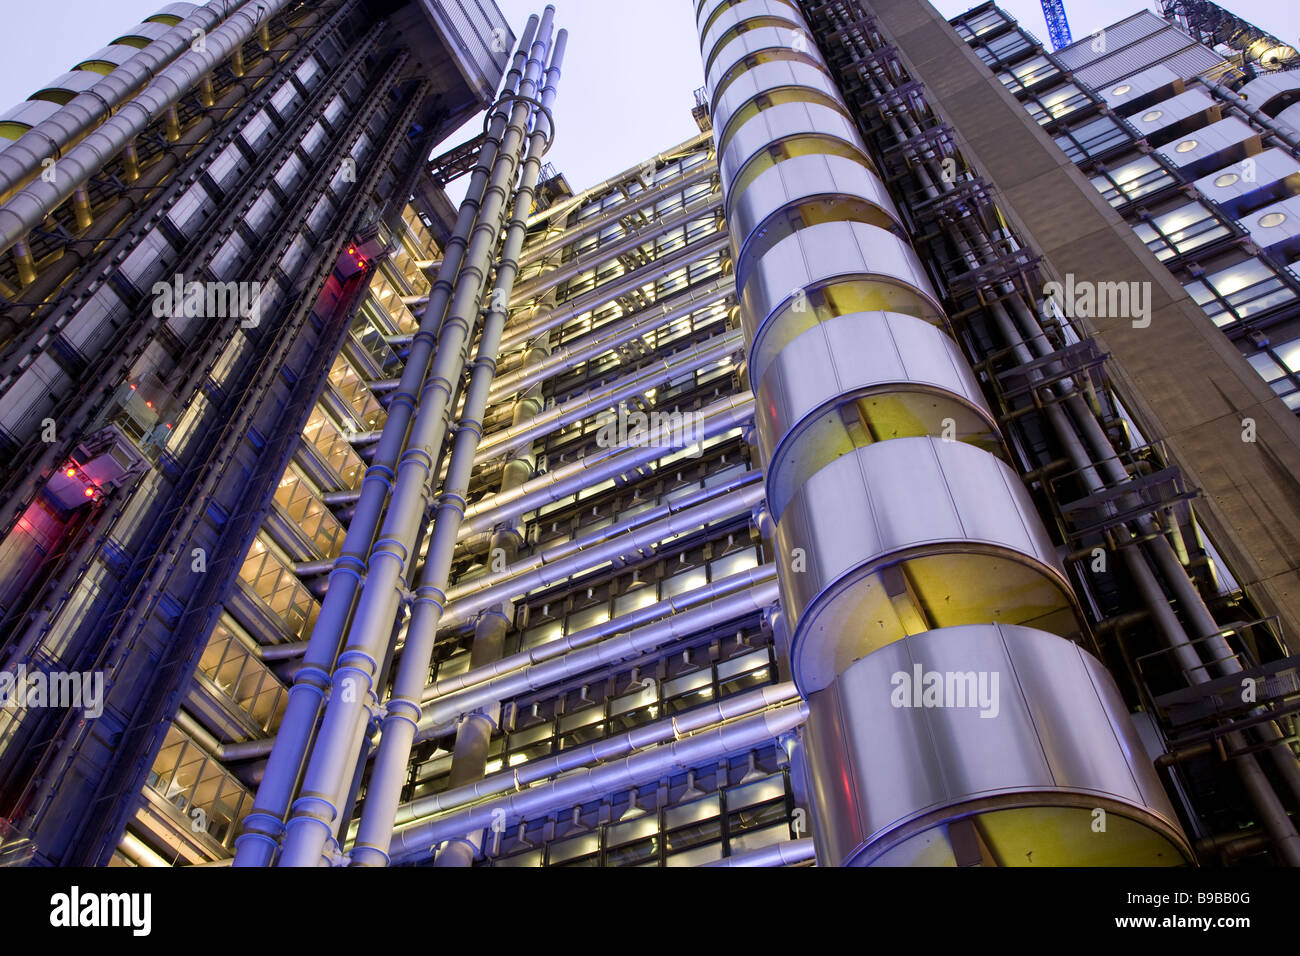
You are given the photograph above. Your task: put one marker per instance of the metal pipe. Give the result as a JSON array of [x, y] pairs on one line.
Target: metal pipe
[[546, 215], [575, 409], [315, 816], [1262, 119], [22, 159], [522, 332], [716, 419], [138, 852], [675, 605], [723, 415], [403, 708], [256, 846], [474, 735], [562, 549], [31, 204], [223, 752], [546, 281], [616, 333], [417, 841], [587, 227], [638, 541], [445, 711], [778, 854], [601, 751]]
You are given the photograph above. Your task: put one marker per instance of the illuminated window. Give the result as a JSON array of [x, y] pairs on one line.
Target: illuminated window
[[1182, 230], [1141, 177], [1239, 292]]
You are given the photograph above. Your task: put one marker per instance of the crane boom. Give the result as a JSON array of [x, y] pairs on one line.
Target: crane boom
[[1058, 27]]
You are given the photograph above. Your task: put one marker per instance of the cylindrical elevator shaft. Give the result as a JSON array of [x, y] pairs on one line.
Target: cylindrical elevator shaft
[[953, 721]]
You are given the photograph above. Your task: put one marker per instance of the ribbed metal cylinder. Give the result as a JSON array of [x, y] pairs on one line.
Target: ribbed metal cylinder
[[899, 524], [1018, 751]]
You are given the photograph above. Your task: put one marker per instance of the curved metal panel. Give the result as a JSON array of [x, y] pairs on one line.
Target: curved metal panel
[[799, 178], [144, 31], [765, 78], [31, 112], [764, 38], [1290, 117], [905, 536], [178, 10], [797, 266], [843, 188], [116, 54], [778, 123], [74, 81], [1260, 92], [988, 744], [901, 377], [748, 10], [704, 12]]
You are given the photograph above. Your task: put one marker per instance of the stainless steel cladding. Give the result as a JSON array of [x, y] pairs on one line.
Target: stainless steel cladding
[[901, 532], [1018, 750]]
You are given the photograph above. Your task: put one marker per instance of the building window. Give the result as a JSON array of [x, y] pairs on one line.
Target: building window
[[1280, 367], [982, 24], [1092, 139], [1005, 48], [1133, 180], [1060, 102], [1239, 292], [1028, 74], [1181, 231]]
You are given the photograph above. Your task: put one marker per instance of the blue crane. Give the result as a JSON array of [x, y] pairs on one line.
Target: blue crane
[[1058, 27]]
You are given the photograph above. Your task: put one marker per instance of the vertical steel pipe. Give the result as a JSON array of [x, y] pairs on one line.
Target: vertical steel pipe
[[403, 708], [315, 816], [257, 845]]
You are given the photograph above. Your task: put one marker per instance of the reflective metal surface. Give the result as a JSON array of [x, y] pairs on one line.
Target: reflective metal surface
[[905, 536], [742, 12], [990, 745], [858, 379], [764, 38], [754, 212], [790, 276], [783, 122], [765, 79]]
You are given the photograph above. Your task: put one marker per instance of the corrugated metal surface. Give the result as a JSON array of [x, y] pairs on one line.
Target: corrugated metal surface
[[1170, 48], [478, 34], [1125, 33], [1135, 45]]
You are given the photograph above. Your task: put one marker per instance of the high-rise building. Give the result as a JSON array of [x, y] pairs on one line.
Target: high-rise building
[[903, 471]]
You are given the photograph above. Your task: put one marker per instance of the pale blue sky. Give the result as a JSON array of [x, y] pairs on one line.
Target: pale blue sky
[[636, 69]]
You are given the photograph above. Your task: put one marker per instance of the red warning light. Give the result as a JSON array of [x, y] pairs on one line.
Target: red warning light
[[169, 425], [148, 404], [90, 493], [133, 386], [71, 472]]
